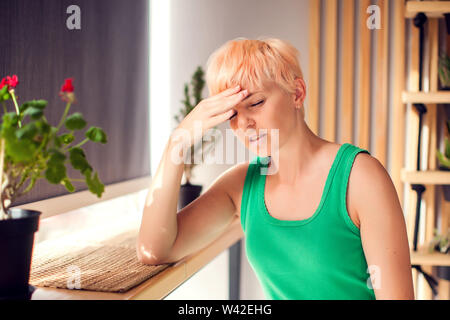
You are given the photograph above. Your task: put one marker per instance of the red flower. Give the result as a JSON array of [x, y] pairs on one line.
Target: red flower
[[3, 83], [66, 92], [12, 82], [67, 86]]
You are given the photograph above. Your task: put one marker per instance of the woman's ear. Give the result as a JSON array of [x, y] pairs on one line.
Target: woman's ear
[[300, 92]]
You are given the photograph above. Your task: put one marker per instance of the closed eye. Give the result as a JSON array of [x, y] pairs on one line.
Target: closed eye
[[253, 105]]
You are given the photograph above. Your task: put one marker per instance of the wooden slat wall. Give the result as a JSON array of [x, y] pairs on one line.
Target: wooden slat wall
[[381, 98], [362, 83], [343, 127], [312, 114], [364, 77], [331, 69], [399, 110], [403, 148], [347, 74]]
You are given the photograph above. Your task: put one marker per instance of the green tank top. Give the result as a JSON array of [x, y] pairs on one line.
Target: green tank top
[[318, 258]]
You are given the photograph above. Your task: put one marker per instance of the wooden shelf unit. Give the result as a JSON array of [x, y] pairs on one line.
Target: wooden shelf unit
[[426, 97], [432, 98], [433, 9], [429, 177], [424, 258]]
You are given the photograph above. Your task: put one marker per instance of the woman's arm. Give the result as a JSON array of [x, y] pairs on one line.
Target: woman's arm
[[164, 232], [382, 227]]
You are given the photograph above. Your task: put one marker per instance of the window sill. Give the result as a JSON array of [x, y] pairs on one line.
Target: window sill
[[58, 205]]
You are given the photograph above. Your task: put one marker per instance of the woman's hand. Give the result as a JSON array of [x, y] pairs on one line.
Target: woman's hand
[[209, 113]]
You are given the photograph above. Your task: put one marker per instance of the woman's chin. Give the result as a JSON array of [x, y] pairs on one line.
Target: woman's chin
[[260, 151]]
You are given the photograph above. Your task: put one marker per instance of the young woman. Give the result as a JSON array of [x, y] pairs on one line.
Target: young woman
[[325, 224]]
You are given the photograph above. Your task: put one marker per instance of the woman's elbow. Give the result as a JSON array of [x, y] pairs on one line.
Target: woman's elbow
[[145, 255]]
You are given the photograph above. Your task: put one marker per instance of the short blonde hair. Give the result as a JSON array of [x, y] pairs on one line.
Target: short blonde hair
[[249, 62]]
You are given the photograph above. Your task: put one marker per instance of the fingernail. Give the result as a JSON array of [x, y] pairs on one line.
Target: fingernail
[[237, 87]]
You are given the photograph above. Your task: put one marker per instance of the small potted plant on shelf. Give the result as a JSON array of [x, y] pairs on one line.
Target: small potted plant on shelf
[[444, 71], [440, 243], [189, 192], [444, 160], [32, 149]]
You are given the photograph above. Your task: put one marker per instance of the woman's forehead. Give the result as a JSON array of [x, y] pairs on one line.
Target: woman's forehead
[[263, 87]]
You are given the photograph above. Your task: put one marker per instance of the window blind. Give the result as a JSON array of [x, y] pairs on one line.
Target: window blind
[[108, 60]]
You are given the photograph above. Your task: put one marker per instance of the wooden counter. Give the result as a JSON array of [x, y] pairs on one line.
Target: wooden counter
[[160, 285]]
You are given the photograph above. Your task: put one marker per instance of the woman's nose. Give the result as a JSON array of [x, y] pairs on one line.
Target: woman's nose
[[244, 121]]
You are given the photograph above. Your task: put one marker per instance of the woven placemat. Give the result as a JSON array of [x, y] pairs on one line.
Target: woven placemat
[[109, 265]]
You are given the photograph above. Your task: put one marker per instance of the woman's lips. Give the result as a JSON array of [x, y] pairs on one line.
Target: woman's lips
[[256, 139]]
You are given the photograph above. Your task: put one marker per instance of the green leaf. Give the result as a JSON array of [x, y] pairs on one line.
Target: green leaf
[[28, 131], [447, 147], [69, 186], [66, 138], [3, 91], [56, 172], [33, 112], [75, 121], [38, 104], [94, 184], [24, 107], [443, 160], [56, 157], [97, 135], [78, 160], [43, 126], [10, 119], [20, 150]]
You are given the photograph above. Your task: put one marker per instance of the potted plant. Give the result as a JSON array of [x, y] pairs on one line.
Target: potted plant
[[444, 160], [440, 243], [444, 71], [189, 192], [32, 149]]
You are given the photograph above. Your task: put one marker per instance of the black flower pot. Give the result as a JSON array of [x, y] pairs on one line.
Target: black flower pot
[[16, 248], [188, 193], [445, 188], [443, 272], [446, 108], [447, 22]]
